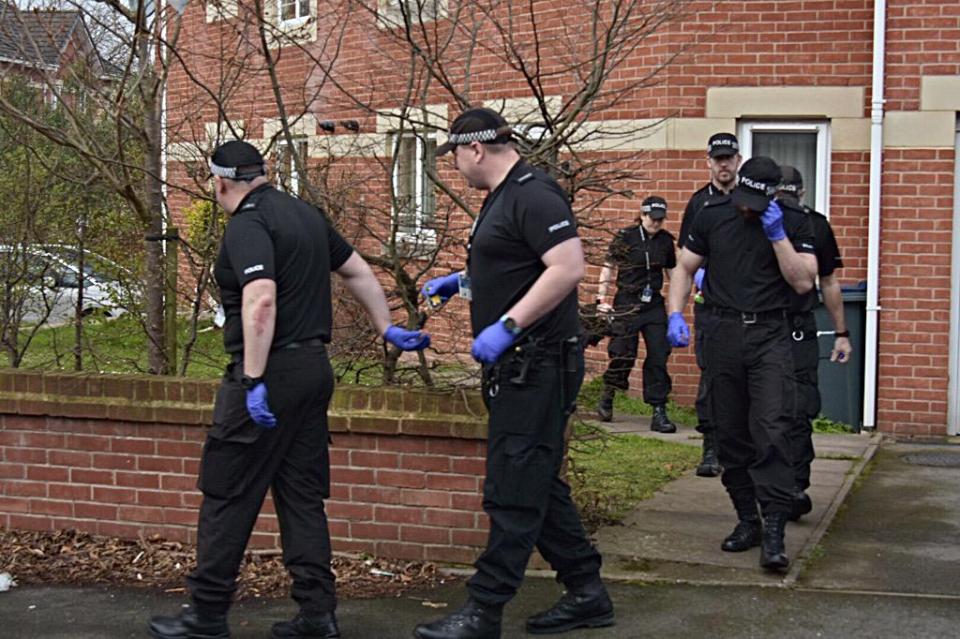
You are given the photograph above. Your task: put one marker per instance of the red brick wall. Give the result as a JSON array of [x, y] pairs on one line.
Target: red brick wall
[[923, 39], [116, 455], [757, 44], [915, 291]]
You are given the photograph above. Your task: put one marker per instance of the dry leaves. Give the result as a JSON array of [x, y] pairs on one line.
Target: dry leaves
[[78, 558]]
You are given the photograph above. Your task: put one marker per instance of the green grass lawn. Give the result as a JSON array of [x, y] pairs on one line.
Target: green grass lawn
[[611, 473], [120, 346]]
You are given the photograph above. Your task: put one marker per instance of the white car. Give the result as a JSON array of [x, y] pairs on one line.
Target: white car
[[45, 279]]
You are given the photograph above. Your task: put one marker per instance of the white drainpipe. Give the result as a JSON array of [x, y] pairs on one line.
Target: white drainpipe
[[873, 236]]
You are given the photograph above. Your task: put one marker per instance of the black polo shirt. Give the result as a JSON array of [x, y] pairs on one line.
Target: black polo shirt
[[523, 218], [696, 202], [825, 245], [743, 274], [276, 236], [630, 251]]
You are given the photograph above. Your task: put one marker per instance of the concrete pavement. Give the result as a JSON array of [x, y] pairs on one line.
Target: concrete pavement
[[675, 536]]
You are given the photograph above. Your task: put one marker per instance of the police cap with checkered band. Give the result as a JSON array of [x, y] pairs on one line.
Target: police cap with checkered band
[[237, 160], [476, 125]]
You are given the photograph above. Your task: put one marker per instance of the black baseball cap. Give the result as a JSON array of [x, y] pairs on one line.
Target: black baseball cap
[[759, 181], [476, 125], [237, 160], [722, 144], [655, 206], [792, 180]]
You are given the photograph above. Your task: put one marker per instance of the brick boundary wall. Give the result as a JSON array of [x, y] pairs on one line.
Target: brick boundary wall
[[118, 455]]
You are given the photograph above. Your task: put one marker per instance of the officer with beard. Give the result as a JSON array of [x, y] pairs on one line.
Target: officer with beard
[[723, 160]]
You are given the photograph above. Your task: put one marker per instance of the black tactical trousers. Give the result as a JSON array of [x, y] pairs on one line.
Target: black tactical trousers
[[241, 460], [751, 395], [806, 359], [651, 321], [529, 396], [703, 413]]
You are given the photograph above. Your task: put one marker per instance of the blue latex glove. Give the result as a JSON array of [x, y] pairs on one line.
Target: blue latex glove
[[772, 220], [491, 343], [677, 332], [445, 287], [406, 340], [258, 408], [698, 278]]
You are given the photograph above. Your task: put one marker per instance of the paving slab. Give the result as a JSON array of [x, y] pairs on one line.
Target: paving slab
[[900, 531], [675, 536]]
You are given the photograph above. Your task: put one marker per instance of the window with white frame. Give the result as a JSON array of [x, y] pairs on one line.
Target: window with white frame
[[804, 145], [393, 13], [288, 179], [414, 191], [293, 10]]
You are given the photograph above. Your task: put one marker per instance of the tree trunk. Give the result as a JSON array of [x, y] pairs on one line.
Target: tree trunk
[[155, 279]]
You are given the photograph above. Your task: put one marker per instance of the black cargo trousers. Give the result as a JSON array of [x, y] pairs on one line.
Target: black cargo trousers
[[649, 320], [241, 460], [806, 360], [703, 412], [530, 393], [751, 395]]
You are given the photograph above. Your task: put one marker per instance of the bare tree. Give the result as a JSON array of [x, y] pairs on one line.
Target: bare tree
[[126, 91]]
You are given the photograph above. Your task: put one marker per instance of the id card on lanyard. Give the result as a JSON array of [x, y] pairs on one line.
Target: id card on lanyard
[[647, 293]]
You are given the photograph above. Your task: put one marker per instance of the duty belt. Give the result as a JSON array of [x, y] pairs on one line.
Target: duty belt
[[798, 321], [307, 343], [563, 354], [749, 318]]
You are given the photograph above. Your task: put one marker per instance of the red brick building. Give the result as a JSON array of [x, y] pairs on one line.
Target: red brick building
[[862, 96], [39, 45]]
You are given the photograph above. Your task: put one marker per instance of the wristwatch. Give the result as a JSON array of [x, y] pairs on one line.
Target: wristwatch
[[845, 333], [511, 325], [250, 382]]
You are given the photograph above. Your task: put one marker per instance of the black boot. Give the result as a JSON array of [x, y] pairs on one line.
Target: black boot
[[773, 556], [710, 464], [587, 606], [191, 623], [472, 621], [317, 625], [747, 533], [605, 405], [660, 422], [801, 505]]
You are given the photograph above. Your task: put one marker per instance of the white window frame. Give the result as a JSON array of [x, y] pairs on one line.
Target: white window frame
[[421, 231], [747, 128], [295, 21], [283, 156], [390, 14]]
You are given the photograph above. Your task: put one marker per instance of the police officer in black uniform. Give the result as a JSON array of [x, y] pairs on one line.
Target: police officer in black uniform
[[723, 160], [639, 254], [758, 255], [524, 261], [806, 351], [270, 415]]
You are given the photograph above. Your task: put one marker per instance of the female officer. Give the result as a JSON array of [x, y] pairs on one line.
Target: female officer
[[640, 254]]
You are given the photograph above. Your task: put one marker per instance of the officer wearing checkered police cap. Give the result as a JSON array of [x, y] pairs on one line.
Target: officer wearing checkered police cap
[[237, 160], [270, 415], [524, 261]]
